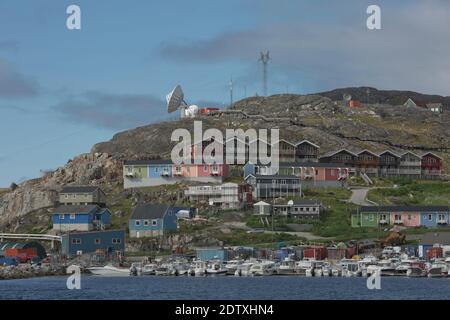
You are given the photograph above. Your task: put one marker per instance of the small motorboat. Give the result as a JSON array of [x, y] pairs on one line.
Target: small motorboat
[[438, 270], [149, 269], [109, 271], [216, 268]]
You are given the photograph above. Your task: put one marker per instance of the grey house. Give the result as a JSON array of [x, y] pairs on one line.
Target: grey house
[[274, 186], [311, 209], [82, 195]]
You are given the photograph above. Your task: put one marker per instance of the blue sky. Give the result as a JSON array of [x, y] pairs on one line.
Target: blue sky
[[62, 91]]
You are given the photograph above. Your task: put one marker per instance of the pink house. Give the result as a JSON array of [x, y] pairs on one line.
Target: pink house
[[407, 219]]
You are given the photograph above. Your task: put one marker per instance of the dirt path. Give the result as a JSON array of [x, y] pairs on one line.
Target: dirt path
[[359, 197]]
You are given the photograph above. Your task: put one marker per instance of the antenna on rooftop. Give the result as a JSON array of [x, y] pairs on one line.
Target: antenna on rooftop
[[264, 58]]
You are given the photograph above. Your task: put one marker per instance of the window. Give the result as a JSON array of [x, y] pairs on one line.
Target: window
[[371, 218], [137, 222], [409, 217], [72, 216], [205, 168], [397, 217], [307, 209], [430, 217], [66, 196], [154, 222], [97, 241], [76, 241], [314, 209], [116, 241], [441, 217], [146, 222], [74, 196], [383, 217], [61, 216], [130, 169]]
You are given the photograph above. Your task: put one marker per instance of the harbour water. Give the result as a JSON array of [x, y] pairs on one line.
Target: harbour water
[[203, 288]]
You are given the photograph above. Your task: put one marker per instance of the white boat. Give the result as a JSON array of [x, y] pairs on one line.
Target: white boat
[[110, 271], [179, 268], [162, 270], [149, 269], [287, 266], [232, 266], [438, 269], [243, 270], [305, 267], [215, 268], [136, 269], [265, 268], [199, 268]]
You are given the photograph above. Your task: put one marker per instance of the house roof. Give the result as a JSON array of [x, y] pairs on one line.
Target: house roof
[[436, 237], [309, 164], [308, 142], [410, 152], [277, 177], [80, 189], [304, 202], [77, 209], [390, 152], [430, 208], [332, 153], [144, 162], [150, 211], [262, 203], [431, 153], [367, 151]]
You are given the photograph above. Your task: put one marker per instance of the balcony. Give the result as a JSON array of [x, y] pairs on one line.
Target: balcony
[[129, 175], [383, 221], [398, 221], [215, 171], [442, 221], [178, 173]]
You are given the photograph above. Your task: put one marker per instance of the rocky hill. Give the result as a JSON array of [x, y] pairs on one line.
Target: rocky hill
[[313, 117], [391, 97]]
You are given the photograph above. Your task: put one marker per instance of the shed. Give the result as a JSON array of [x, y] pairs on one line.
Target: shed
[[205, 254], [23, 246], [262, 208]]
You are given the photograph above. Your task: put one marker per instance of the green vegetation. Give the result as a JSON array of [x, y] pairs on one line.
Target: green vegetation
[[241, 237], [409, 192]]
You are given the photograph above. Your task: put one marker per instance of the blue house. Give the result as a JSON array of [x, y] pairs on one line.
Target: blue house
[[150, 220], [77, 243], [80, 218], [436, 216]]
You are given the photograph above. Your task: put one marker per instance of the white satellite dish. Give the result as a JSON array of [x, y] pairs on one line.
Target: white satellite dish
[[175, 99], [347, 97]]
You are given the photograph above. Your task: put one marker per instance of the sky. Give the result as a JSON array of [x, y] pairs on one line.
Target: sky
[[61, 91]]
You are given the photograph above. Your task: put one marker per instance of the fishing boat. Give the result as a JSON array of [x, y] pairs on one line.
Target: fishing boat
[[416, 269], [287, 266], [109, 271], [264, 268], [437, 269], [305, 267], [199, 268], [243, 270], [215, 268], [162, 270], [149, 269], [232, 266]]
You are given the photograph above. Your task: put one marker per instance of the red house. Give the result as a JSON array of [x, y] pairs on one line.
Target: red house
[[431, 165]]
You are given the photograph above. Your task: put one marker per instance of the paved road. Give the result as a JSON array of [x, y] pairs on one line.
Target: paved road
[[359, 197]]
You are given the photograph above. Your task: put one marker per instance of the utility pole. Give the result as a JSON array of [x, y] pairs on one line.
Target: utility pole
[[264, 58]]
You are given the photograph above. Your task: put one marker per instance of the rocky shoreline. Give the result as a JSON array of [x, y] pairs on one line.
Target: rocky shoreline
[[28, 271]]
